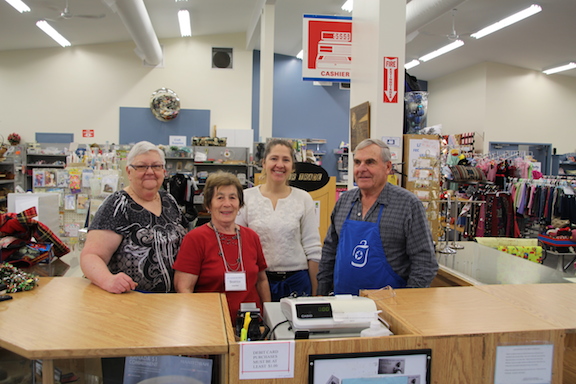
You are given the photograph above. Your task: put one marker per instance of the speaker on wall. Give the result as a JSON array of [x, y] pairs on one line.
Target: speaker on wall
[[222, 57]]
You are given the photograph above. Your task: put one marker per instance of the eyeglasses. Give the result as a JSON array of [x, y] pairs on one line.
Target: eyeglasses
[[144, 168]]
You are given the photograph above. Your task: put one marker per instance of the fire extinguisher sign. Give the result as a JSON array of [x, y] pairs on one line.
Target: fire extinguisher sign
[[87, 133], [390, 79]]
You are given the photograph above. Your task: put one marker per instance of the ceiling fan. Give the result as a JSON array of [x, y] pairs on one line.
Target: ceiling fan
[[453, 35], [66, 14]]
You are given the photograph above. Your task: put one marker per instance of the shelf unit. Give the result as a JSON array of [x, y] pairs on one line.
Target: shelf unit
[[342, 164], [42, 161], [314, 145], [566, 164], [229, 159], [7, 182]]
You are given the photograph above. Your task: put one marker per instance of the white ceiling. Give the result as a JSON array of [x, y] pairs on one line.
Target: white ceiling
[[542, 41]]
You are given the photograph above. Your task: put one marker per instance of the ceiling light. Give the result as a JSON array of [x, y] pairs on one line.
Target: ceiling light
[[531, 10], [47, 28], [348, 5], [184, 20], [19, 5], [300, 55], [561, 68], [443, 50], [411, 64]]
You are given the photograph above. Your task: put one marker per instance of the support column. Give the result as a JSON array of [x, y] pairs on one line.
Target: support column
[[378, 31], [266, 70]]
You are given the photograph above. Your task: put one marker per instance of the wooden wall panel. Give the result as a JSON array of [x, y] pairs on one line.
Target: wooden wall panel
[[570, 358], [455, 359]]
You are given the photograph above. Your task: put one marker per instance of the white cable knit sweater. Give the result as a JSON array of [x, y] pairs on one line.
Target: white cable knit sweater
[[289, 234]]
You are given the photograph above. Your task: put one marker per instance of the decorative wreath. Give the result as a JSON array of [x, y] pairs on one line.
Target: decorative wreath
[[165, 104]]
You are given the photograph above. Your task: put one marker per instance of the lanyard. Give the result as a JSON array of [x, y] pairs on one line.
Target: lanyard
[[239, 262]]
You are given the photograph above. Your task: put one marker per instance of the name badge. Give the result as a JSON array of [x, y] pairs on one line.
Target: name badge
[[235, 281]]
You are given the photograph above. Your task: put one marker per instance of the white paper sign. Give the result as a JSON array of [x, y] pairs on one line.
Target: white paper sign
[[521, 364], [421, 148], [392, 141], [177, 141], [267, 359]]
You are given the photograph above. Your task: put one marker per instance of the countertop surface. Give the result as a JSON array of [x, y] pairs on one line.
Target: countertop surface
[[65, 317]]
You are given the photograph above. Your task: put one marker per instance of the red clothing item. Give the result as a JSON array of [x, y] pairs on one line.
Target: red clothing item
[[199, 255]]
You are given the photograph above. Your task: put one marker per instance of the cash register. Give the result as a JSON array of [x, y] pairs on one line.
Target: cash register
[[319, 317]]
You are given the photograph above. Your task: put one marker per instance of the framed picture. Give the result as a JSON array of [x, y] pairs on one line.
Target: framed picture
[[383, 367], [359, 124]]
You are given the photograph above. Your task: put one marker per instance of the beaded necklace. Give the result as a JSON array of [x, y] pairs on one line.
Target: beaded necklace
[[238, 266]]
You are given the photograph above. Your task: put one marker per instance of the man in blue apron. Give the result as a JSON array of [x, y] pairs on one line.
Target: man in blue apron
[[379, 234]]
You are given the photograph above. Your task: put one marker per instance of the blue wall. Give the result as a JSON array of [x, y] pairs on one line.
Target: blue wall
[[302, 110], [138, 124]]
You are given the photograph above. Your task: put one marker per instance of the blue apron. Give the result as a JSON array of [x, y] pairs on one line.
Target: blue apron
[[360, 259]]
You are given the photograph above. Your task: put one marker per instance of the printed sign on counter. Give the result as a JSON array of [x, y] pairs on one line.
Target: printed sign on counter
[[267, 360], [518, 364]]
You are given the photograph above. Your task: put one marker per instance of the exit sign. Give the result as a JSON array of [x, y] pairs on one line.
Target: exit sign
[[87, 133]]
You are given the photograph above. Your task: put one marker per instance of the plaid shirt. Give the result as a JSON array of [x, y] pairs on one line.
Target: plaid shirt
[[404, 232]]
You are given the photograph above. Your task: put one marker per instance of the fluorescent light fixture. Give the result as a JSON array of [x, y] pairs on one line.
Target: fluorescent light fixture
[[19, 5], [348, 5], [411, 64], [561, 68], [300, 54], [47, 28], [531, 10], [443, 50], [184, 20]]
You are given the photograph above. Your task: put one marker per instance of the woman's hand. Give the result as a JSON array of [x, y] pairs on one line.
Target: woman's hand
[[118, 283]]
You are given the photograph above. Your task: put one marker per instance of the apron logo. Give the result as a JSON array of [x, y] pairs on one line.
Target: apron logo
[[360, 254]]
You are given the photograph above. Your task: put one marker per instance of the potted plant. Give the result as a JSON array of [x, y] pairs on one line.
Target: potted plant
[[14, 139]]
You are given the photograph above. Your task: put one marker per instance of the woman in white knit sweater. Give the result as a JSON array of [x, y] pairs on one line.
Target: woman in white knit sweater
[[284, 218]]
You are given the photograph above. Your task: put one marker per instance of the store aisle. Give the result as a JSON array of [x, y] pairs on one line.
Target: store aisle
[[73, 260]]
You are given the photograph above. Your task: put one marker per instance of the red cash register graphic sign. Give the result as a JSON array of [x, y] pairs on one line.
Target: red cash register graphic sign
[[327, 48], [390, 79]]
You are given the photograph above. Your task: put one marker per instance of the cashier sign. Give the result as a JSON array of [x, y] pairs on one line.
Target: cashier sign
[[327, 48]]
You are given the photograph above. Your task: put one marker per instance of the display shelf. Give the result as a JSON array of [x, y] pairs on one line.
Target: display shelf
[[314, 146], [342, 164], [44, 161], [201, 161], [7, 181], [564, 165]]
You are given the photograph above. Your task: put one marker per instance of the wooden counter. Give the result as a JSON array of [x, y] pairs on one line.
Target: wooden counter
[[554, 303], [465, 325], [456, 311], [68, 317]]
